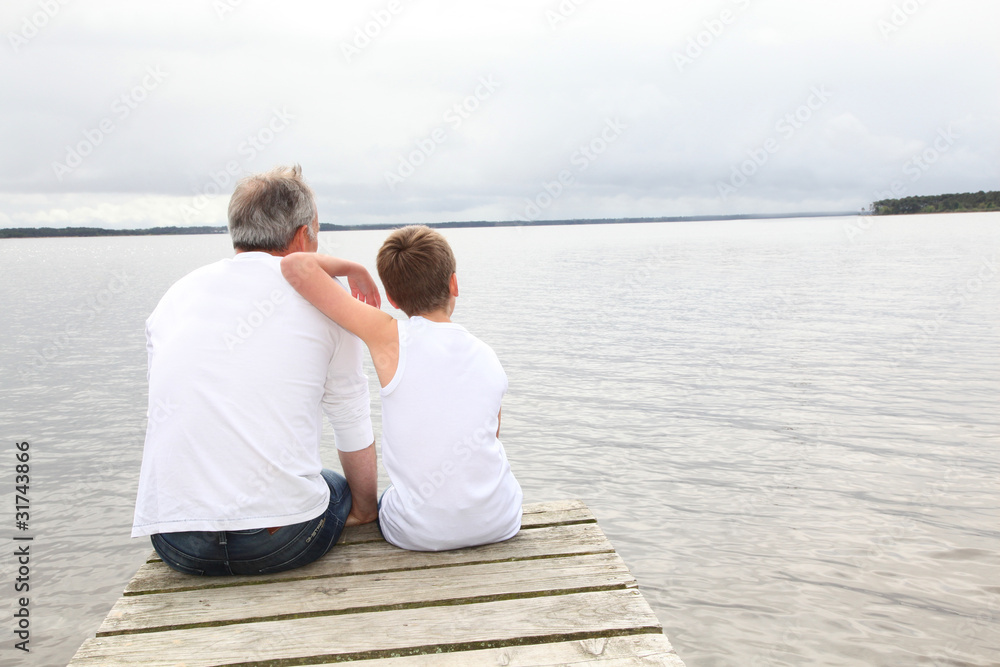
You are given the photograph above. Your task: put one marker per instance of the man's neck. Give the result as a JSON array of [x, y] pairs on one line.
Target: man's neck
[[275, 253]]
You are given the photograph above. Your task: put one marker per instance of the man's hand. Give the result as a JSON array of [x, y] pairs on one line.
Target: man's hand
[[362, 476], [356, 520]]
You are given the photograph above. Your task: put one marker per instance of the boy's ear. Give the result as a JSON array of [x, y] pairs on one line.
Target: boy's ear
[[391, 302], [453, 285]]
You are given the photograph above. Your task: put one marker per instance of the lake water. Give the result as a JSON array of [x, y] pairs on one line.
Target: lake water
[[790, 429]]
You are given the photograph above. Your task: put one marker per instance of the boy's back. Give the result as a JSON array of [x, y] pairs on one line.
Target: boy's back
[[451, 483], [441, 394]]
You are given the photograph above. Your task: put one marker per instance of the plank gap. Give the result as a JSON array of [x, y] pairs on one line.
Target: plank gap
[[225, 583], [447, 602], [530, 513], [571, 522], [432, 649]]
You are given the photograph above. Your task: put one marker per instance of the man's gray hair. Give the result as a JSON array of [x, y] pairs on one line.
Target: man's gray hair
[[267, 209]]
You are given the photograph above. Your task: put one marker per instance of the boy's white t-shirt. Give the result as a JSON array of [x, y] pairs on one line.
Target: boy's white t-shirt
[[452, 486]]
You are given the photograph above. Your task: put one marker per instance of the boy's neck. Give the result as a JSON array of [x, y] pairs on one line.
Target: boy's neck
[[441, 315]]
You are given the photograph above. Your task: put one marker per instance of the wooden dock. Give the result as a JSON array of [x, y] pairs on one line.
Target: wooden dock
[[555, 594]]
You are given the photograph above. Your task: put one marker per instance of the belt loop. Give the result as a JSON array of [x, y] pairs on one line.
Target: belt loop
[[222, 538]]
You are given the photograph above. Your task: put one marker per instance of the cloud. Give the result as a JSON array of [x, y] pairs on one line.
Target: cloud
[[163, 99], [108, 210]]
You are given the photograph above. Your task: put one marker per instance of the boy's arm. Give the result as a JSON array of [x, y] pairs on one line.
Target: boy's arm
[[362, 286], [309, 274]]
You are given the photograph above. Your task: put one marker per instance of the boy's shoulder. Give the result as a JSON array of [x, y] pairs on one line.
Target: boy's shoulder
[[481, 347], [462, 338], [452, 350]]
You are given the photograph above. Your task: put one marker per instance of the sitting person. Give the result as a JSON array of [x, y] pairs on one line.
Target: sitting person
[[241, 369], [451, 484]]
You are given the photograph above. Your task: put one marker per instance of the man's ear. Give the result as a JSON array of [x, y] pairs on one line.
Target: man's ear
[[300, 242], [453, 285]]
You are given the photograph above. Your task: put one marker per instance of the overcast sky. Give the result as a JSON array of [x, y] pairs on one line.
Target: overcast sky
[[137, 114]]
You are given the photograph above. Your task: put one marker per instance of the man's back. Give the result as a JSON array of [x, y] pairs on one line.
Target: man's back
[[239, 369]]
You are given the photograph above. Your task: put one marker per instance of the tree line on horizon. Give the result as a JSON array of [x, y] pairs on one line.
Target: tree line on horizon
[[952, 203], [36, 232], [49, 232]]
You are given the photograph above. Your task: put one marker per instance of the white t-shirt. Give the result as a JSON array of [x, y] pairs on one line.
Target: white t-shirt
[[241, 369], [452, 486]]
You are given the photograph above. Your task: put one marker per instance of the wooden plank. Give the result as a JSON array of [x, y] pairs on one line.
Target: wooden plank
[[535, 515], [554, 518], [367, 592], [561, 505], [632, 651], [396, 632], [374, 557]]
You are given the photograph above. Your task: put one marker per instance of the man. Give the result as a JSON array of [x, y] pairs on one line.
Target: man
[[240, 368]]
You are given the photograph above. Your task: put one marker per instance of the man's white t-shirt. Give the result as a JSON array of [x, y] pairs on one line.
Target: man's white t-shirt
[[452, 486], [241, 369]]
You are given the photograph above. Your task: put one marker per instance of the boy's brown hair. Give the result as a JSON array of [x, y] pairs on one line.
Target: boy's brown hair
[[415, 264]]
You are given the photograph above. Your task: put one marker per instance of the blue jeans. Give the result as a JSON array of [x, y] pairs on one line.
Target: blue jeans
[[258, 551]]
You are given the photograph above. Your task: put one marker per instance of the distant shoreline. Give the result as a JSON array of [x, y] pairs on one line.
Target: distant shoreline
[[53, 232], [965, 202]]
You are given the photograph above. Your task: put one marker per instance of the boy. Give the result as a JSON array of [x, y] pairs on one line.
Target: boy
[[451, 484]]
